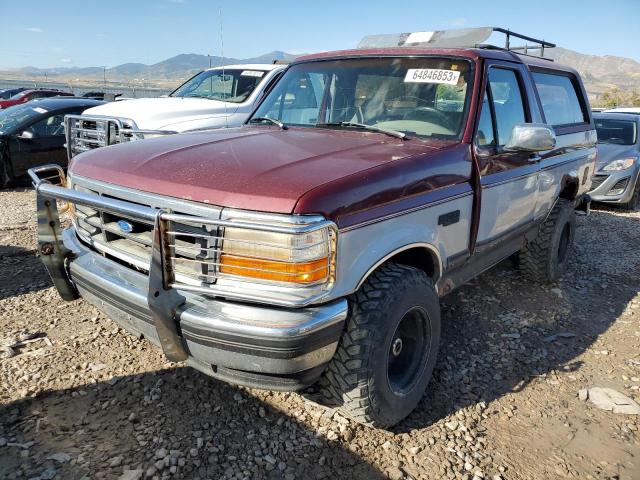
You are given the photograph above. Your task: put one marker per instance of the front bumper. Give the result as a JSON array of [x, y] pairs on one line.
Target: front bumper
[[608, 181], [279, 348]]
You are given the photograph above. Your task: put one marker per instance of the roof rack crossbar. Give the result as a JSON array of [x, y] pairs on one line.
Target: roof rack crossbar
[[457, 38], [542, 44]]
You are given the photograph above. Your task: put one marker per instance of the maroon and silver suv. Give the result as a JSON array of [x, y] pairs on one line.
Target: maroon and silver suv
[[312, 244]]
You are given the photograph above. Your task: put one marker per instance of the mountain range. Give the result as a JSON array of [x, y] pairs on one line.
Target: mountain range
[[175, 68], [599, 73]]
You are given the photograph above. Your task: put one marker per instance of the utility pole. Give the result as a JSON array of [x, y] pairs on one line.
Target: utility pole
[[208, 55], [104, 78]]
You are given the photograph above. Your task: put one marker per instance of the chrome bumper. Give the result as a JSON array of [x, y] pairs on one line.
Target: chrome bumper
[[254, 345]]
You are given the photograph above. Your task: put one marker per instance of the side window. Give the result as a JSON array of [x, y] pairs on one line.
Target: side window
[[507, 102], [49, 127], [485, 127], [559, 97]]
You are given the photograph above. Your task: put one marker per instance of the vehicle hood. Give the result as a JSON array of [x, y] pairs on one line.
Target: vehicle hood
[[164, 113], [252, 167], [608, 152]]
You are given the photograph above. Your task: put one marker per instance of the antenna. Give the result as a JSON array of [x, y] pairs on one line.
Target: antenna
[[226, 121]]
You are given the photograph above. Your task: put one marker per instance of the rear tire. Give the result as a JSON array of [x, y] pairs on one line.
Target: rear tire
[[634, 203], [546, 257], [386, 355]]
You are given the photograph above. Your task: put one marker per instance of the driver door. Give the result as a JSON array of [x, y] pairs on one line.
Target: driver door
[[509, 180], [45, 146]]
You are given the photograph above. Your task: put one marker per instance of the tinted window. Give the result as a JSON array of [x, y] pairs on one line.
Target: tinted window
[[507, 101], [618, 132], [49, 127], [559, 97]]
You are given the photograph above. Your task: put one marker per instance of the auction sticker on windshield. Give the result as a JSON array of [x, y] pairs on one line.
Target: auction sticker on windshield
[[39, 110], [252, 73], [431, 75]]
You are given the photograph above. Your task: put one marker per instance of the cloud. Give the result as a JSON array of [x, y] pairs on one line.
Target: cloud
[[457, 22], [65, 60], [32, 29]]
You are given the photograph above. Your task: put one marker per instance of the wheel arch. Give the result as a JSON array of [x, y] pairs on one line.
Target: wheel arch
[[420, 255], [569, 186]]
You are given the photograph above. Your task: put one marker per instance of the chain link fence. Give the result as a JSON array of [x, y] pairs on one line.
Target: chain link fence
[[80, 89]]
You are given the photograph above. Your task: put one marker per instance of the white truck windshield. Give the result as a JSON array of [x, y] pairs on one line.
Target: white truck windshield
[[234, 85]]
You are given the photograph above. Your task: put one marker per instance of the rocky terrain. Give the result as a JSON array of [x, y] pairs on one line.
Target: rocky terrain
[[510, 398]]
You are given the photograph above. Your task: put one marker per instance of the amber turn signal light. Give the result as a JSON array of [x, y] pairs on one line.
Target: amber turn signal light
[[302, 272]]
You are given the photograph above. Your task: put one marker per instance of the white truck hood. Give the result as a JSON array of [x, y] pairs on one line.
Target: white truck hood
[[167, 113]]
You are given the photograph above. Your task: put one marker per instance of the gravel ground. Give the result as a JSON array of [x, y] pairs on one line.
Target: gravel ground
[[81, 398]]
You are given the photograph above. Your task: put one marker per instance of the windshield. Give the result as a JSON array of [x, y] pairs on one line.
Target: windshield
[[234, 86], [11, 118], [618, 132], [17, 96], [422, 97]]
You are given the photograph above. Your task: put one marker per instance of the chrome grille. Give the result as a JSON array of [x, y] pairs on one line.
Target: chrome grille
[[86, 133], [194, 246]]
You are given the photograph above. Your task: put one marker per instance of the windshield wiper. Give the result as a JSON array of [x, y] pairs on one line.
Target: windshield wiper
[[269, 120], [370, 128]]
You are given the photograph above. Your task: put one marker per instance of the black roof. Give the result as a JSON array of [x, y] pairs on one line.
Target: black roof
[[62, 103]]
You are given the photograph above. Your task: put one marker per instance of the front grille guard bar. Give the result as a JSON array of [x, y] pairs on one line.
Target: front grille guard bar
[[163, 297], [124, 127]]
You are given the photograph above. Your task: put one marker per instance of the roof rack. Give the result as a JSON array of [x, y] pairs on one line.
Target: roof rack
[[457, 38]]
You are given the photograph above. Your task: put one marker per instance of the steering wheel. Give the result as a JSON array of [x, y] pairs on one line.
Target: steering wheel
[[437, 115]]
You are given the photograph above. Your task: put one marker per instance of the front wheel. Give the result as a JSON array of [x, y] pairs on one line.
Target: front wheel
[[386, 355], [546, 257]]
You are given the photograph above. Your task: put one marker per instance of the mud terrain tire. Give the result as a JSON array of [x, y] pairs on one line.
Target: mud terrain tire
[[546, 258], [387, 352]]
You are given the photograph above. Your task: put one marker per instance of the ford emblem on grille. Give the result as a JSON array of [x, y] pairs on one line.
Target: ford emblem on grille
[[126, 227]]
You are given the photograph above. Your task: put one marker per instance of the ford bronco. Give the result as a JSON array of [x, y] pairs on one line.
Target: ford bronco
[[311, 245], [214, 98]]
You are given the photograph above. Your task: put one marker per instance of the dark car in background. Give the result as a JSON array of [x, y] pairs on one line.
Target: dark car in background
[[34, 94], [616, 177], [7, 93], [33, 134]]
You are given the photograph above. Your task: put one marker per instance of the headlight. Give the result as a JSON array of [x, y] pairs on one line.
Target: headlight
[[620, 164], [301, 259]]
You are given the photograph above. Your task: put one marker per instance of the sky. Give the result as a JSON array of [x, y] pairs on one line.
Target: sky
[[79, 33]]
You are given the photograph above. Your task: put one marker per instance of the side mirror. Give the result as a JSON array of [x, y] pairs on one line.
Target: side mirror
[[531, 137], [26, 135]]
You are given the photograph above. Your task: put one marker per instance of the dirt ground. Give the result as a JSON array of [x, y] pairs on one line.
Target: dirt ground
[[83, 399]]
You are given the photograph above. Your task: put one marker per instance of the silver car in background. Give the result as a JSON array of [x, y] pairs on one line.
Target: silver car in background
[[616, 177]]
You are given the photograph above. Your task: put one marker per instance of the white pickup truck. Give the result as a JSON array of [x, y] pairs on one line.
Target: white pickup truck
[[216, 97]]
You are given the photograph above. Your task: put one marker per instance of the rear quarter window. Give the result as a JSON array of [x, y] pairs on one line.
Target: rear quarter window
[[560, 98]]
